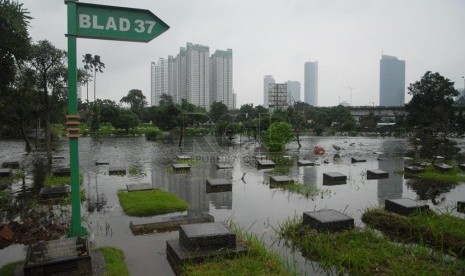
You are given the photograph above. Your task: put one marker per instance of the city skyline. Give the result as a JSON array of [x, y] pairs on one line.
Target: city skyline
[[346, 37]]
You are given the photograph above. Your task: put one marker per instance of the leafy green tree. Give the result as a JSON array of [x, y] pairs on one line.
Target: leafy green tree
[[14, 39], [431, 114], [136, 100], [48, 66], [218, 111], [126, 119], [277, 136]]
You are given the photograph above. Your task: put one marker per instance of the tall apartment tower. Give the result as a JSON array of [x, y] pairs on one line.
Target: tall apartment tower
[[311, 83], [173, 77], [391, 81], [266, 82], [198, 75], [159, 80], [293, 92], [221, 78]]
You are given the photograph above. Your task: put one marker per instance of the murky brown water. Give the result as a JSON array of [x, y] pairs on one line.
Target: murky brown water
[[251, 204]]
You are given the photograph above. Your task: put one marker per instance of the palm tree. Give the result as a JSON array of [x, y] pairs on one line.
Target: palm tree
[[93, 64]]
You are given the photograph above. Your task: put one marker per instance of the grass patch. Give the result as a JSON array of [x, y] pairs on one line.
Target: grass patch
[[442, 232], [114, 262], [366, 253], [9, 269], [52, 181], [430, 173], [257, 261], [132, 170], [306, 190], [153, 202]]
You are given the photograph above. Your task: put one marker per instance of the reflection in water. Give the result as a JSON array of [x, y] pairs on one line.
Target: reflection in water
[[392, 187], [430, 189]]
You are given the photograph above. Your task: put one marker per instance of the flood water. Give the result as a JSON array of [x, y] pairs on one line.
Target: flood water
[[251, 204]]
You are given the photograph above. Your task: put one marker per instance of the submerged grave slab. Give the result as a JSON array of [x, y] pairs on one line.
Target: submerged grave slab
[[357, 159], [54, 192], [58, 157], [181, 167], [303, 162], [117, 170], [404, 206], [62, 171], [462, 167], [377, 174], [11, 164], [260, 157], [414, 169], [265, 163], [212, 235], [442, 167], [461, 206], [184, 157], [169, 223], [59, 257], [218, 185], [276, 180], [224, 166], [334, 178], [328, 220], [100, 162], [139, 187], [6, 172]]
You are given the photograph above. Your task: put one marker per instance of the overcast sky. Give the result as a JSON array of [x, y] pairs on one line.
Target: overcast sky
[[276, 37]]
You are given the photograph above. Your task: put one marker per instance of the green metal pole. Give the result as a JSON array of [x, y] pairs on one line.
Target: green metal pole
[[76, 229]]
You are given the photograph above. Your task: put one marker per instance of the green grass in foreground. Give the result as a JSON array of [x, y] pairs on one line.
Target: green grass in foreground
[[114, 262], [9, 269], [367, 253], [258, 261], [153, 202], [442, 232], [454, 175]]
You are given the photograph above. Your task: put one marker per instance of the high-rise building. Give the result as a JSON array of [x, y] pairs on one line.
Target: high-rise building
[[391, 81], [159, 80], [221, 89], [173, 76], [182, 74], [277, 96], [198, 75], [266, 82], [293, 92], [311, 83]]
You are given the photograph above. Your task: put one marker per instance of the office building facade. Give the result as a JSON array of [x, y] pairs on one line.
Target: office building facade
[[391, 81], [267, 80], [293, 92], [159, 80], [277, 96], [221, 78]]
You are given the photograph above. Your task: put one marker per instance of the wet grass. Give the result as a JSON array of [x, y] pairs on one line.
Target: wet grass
[[442, 232], [153, 202], [306, 190], [259, 260], [52, 181], [9, 269], [366, 253], [114, 262], [454, 175]]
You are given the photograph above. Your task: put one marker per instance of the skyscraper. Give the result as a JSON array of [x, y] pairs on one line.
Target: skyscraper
[[198, 75], [173, 76], [391, 81], [221, 89], [266, 82], [159, 80], [293, 92], [311, 83]]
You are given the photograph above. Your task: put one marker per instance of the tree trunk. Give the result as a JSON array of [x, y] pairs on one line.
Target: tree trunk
[[298, 140], [48, 136], [23, 133]]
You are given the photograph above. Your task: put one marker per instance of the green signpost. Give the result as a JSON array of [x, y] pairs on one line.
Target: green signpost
[[99, 22]]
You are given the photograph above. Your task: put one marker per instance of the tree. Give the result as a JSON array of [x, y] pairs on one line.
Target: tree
[[136, 100], [431, 114], [126, 120], [218, 111], [93, 64], [14, 39], [48, 65], [277, 136]]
